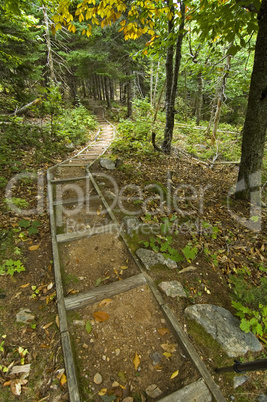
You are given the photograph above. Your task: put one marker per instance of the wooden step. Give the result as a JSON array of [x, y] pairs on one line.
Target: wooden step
[[105, 291], [58, 181], [67, 237]]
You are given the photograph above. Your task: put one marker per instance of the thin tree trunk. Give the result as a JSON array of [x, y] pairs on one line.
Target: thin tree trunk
[[107, 92], [255, 125], [220, 100], [185, 95], [129, 95], [172, 77], [151, 82], [50, 61], [199, 98]]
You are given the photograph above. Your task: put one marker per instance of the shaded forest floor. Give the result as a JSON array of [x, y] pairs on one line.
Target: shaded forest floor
[[229, 257]]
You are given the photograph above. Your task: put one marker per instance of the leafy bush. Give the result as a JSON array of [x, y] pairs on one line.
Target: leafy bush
[[9, 267], [252, 320]]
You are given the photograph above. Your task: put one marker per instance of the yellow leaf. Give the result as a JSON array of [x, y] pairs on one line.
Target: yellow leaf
[[35, 247], [101, 316], [175, 374], [102, 392], [136, 361], [63, 380], [167, 354], [105, 302]]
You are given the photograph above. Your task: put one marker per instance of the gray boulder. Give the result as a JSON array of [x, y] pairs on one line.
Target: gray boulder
[[224, 328], [149, 258]]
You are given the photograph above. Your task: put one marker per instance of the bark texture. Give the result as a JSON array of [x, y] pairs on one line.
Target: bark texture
[[173, 61], [254, 130]]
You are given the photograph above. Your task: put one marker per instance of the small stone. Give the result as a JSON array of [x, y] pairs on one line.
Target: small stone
[[104, 357], [98, 378], [128, 399], [79, 322], [153, 391], [149, 258], [187, 269], [155, 357], [85, 346], [172, 289], [107, 163], [117, 352], [24, 316], [240, 380]]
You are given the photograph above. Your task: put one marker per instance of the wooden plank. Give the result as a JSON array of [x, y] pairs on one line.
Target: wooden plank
[[105, 291], [70, 368], [71, 201], [196, 391], [58, 181], [192, 353], [67, 237]]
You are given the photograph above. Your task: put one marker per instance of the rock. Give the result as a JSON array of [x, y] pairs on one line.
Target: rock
[[24, 316], [149, 258], [117, 352], [153, 391], [173, 289], [187, 269], [196, 391], [240, 380], [107, 163], [224, 328], [262, 398], [156, 358], [98, 378], [128, 399]]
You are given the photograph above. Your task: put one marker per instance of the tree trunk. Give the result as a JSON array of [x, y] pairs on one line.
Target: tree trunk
[[172, 71], [129, 95], [199, 98], [107, 92], [220, 99], [255, 125], [49, 47]]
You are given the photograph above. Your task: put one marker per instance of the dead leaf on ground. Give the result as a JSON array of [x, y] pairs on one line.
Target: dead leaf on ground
[[25, 286], [63, 380], [136, 361], [102, 392], [169, 347], [105, 302], [175, 374], [101, 316], [163, 331], [35, 247], [167, 354]]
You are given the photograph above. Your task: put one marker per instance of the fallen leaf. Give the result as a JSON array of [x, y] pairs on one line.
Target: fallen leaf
[[163, 331], [101, 316], [167, 354], [121, 375], [105, 302], [136, 361], [175, 374], [124, 267], [44, 346], [15, 386], [50, 286], [59, 373], [88, 326], [102, 392], [57, 321], [48, 325], [158, 367], [63, 380], [168, 347], [25, 286], [35, 247]]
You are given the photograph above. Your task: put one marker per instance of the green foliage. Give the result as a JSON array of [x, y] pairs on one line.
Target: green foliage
[[9, 267], [252, 320], [164, 245], [19, 203], [190, 252], [245, 291], [134, 135], [32, 227]]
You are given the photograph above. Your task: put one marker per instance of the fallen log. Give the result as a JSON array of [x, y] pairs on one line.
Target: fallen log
[[24, 109]]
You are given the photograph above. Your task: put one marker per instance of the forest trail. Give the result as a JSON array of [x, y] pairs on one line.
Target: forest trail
[[117, 332]]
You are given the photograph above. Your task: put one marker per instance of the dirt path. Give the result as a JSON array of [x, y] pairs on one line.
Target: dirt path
[[120, 340]]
